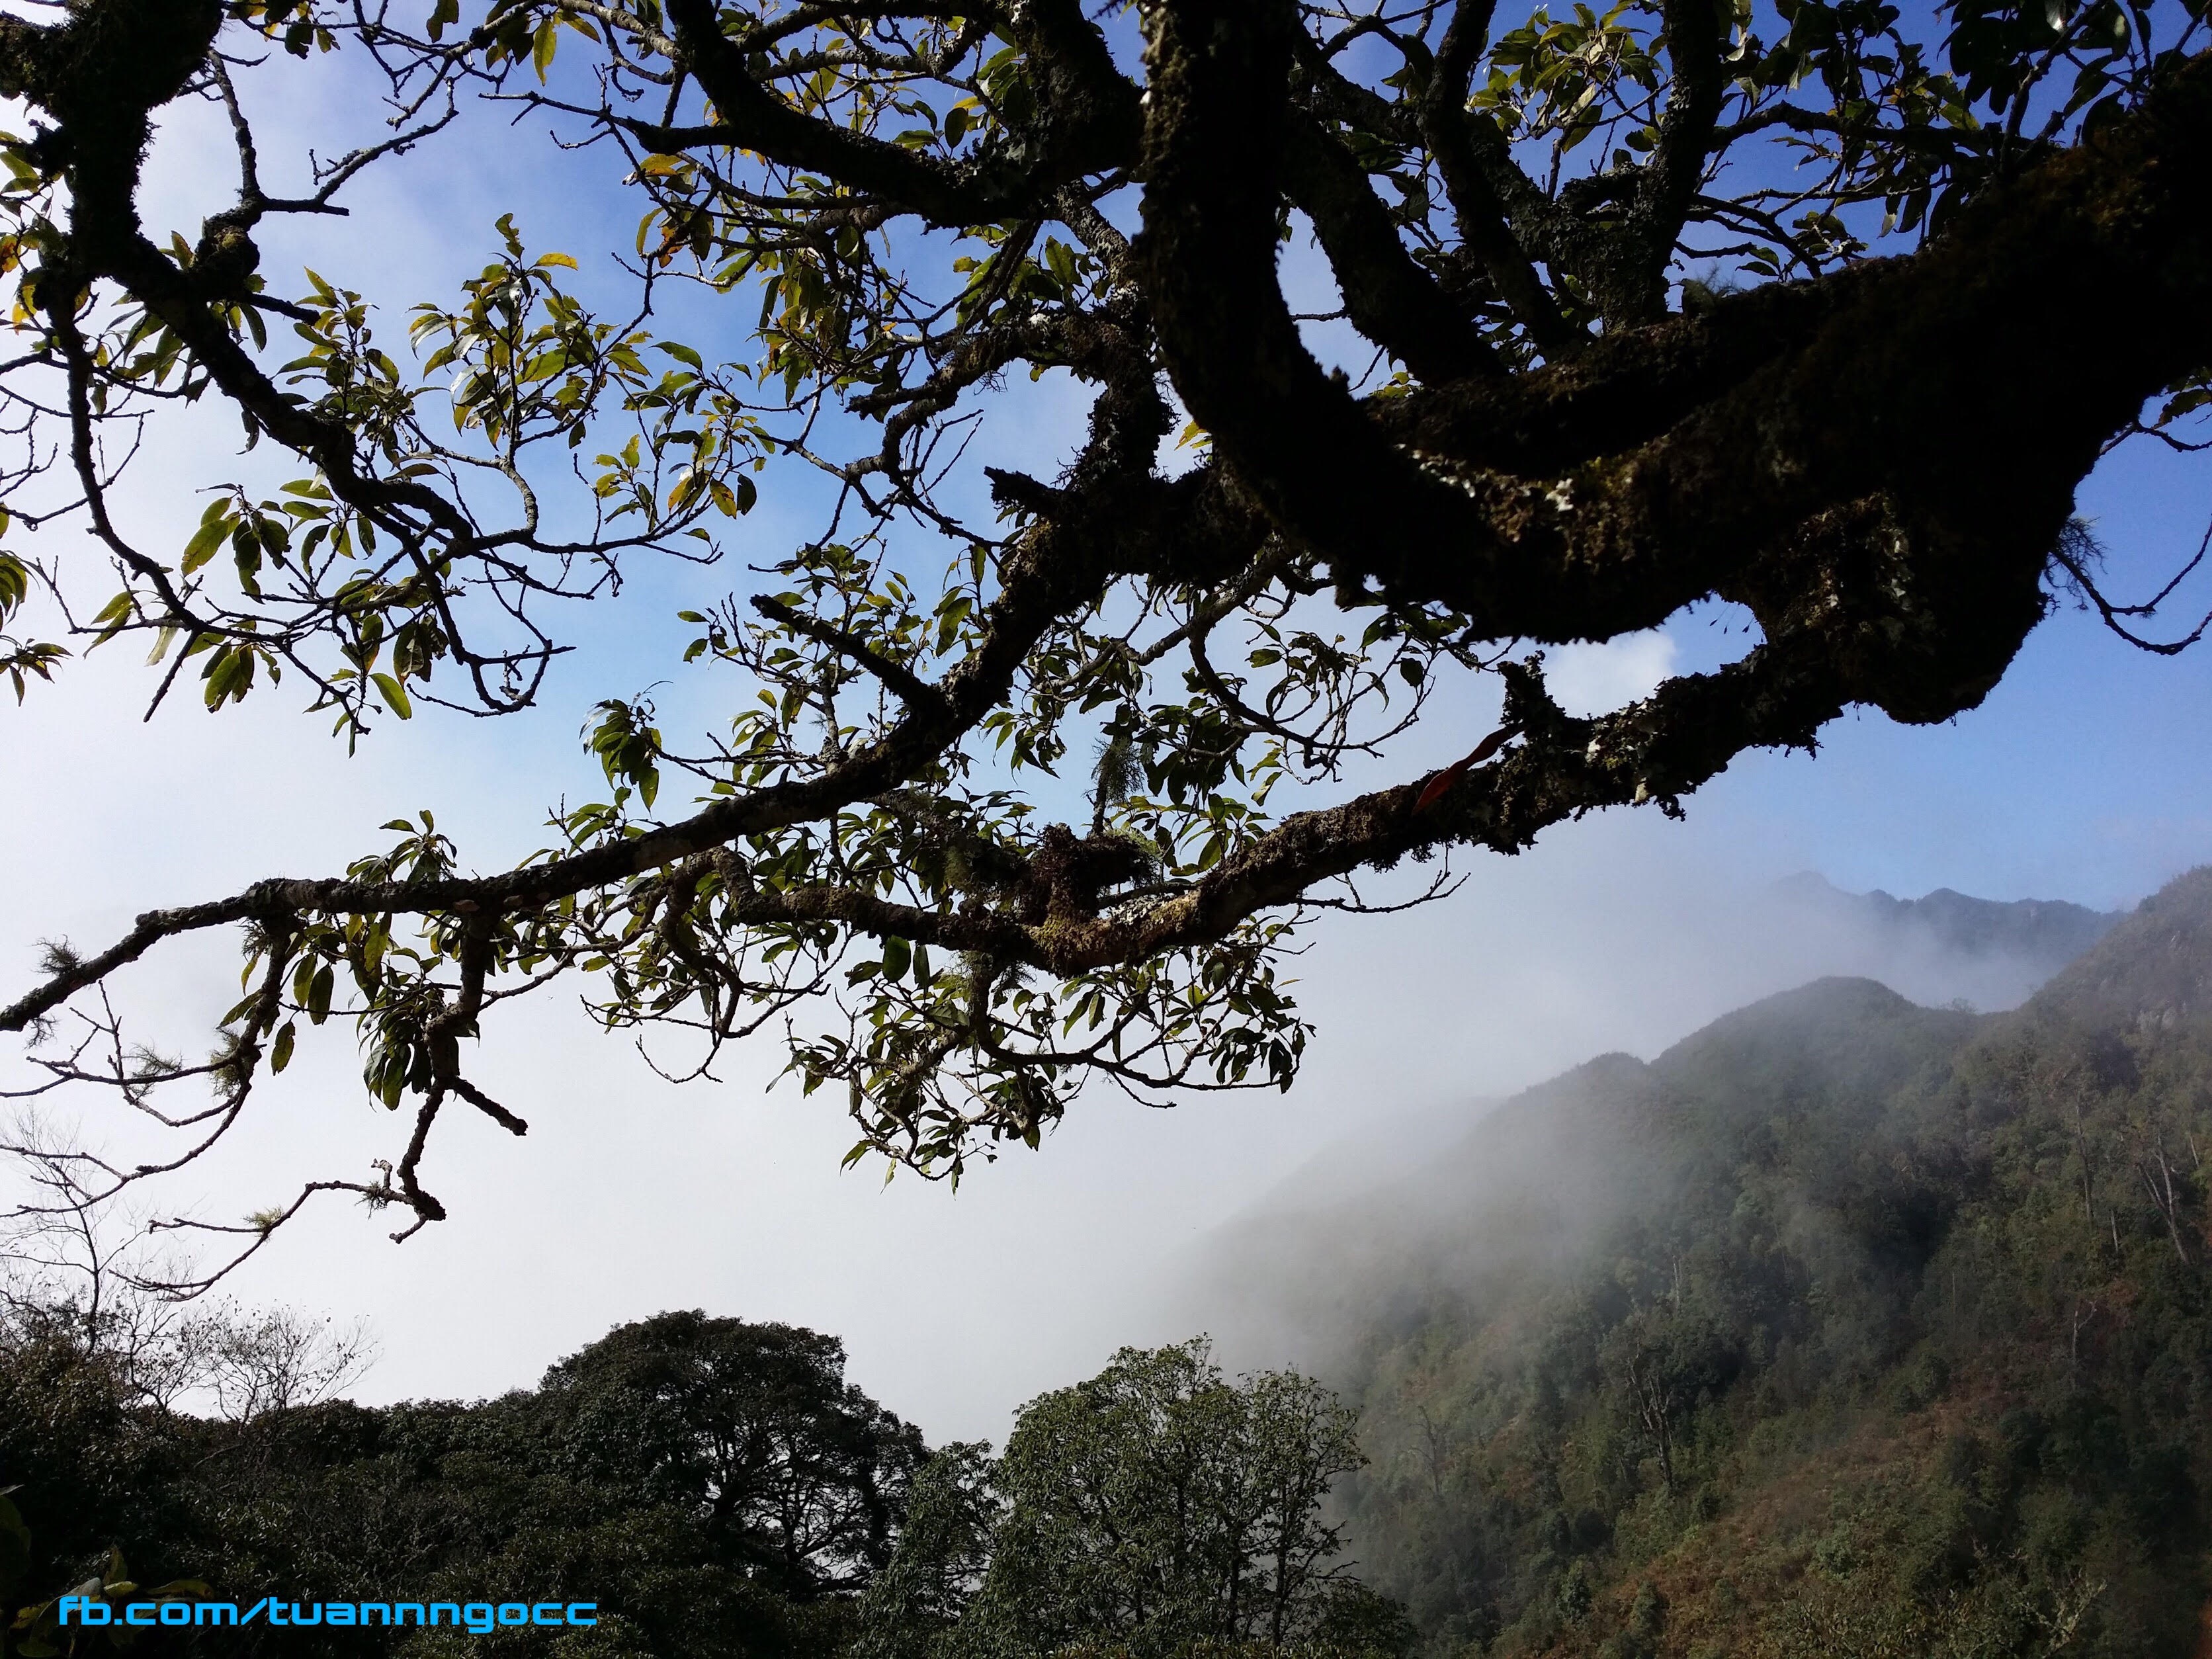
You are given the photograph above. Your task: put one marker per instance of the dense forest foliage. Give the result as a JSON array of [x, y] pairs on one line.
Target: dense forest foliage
[[1845, 1327], [715, 1488]]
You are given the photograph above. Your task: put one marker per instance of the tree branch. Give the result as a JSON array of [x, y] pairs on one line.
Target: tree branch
[[1389, 297]]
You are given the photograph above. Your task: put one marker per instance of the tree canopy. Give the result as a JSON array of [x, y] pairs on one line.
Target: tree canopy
[[714, 1487], [1028, 782], [1160, 1504]]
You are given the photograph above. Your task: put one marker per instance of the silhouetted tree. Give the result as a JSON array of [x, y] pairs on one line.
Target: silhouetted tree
[[753, 1429]]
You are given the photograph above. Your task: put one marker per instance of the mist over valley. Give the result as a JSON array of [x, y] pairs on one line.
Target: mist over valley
[[1843, 1325]]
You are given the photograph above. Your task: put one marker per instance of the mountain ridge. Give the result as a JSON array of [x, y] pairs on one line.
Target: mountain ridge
[[1843, 1326], [2047, 932]]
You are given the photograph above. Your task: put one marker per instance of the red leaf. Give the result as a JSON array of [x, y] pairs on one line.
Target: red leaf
[[1437, 785], [1434, 790]]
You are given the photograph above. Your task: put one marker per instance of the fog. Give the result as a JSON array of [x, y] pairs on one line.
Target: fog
[[2081, 779], [1425, 1197]]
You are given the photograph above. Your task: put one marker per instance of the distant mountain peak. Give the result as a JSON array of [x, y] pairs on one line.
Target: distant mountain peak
[[2045, 933]]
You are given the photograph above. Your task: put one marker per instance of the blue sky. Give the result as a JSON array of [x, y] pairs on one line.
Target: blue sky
[[2084, 776]]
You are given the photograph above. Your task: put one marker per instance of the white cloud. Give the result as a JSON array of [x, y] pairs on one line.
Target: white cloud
[[1595, 679]]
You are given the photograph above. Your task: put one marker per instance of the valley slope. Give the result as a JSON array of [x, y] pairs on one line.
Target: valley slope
[[1844, 1328]]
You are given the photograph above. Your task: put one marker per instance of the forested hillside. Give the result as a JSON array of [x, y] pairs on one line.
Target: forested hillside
[[1844, 1328]]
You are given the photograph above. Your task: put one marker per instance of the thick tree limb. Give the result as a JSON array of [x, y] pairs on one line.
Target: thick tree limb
[[1387, 297], [1479, 209], [1934, 378], [1096, 126]]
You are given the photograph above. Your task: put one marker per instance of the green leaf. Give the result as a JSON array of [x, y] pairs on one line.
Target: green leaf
[[395, 696], [211, 535], [280, 1055], [898, 955]]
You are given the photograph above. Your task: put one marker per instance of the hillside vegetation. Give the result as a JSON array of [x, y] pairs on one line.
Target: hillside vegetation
[[1845, 1328], [711, 1489]]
